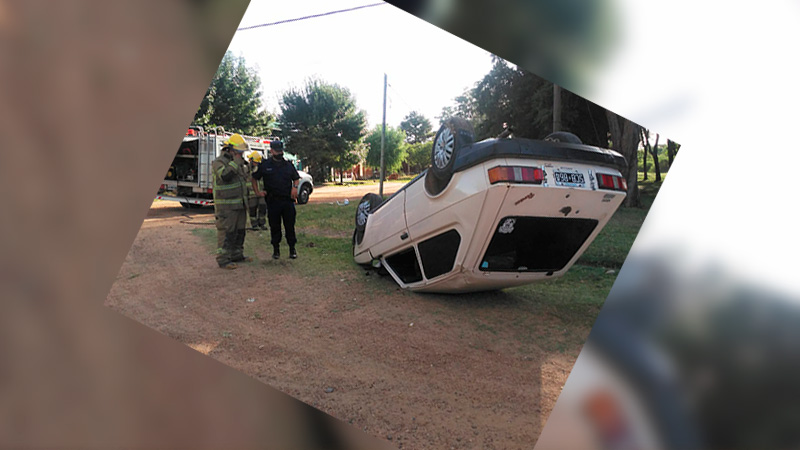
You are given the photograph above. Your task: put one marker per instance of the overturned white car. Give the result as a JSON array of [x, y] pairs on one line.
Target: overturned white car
[[491, 214]]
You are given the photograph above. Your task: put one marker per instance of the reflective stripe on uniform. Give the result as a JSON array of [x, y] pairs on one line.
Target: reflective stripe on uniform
[[228, 201], [223, 187]]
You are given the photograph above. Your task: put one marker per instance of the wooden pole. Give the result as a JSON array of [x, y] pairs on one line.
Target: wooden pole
[[383, 136]]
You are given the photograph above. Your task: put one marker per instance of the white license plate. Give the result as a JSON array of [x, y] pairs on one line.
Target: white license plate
[[574, 179]]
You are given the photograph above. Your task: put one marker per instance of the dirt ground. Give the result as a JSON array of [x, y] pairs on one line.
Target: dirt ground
[[412, 369]]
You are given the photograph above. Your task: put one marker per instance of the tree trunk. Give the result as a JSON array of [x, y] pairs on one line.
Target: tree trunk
[[672, 149], [645, 144], [625, 137], [655, 160]]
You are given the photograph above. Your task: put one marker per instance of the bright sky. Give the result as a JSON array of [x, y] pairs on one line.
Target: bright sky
[[426, 67]]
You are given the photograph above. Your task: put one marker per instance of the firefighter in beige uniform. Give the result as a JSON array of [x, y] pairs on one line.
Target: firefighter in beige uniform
[[231, 177], [258, 206]]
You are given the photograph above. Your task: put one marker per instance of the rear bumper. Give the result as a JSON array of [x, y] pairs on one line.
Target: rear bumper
[[193, 201]]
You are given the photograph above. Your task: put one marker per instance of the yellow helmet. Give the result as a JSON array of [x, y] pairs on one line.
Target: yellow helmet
[[237, 142], [255, 157]]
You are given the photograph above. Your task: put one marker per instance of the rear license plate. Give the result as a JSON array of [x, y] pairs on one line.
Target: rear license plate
[[569, 179]]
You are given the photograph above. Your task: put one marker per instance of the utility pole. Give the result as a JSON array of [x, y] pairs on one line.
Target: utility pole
[[556, 108], [383, 135]]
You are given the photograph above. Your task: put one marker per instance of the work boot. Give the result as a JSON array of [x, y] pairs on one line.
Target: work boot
[[276, 252], [246, 259], [263, 227], [292, 253], [229, 266], [254, 227]]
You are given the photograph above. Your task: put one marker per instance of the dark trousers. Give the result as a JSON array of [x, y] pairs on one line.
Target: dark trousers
[[281, 210]]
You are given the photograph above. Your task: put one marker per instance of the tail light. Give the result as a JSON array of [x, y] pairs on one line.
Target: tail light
[[612, 182], [516, 174]]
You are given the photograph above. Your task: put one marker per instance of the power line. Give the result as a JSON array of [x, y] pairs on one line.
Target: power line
[[411, 108], [308, 17], [401, 97]]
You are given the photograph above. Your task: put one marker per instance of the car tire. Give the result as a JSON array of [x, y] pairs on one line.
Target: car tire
[[454, 134], [302, 195], [366, 206], [563, 136]]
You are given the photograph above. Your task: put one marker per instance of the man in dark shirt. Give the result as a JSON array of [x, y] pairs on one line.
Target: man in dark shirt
[[280, 186]]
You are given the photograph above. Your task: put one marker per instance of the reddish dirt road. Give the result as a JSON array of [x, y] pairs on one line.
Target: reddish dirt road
[[416, 370], [329, 194]]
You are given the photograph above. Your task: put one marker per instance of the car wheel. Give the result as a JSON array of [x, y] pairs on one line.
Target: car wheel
[[366, 206], [454, 134], [563, 136], [302, 196]]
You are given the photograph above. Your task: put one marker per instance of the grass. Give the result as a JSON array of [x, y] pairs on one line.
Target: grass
[[552, 316], [320, 255], [326, 219], [611, 246], [574, 298]]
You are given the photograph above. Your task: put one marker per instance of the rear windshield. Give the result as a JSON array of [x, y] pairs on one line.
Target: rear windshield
[[535, 244]]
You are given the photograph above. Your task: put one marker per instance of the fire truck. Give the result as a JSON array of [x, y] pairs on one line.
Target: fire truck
[[189, 179]]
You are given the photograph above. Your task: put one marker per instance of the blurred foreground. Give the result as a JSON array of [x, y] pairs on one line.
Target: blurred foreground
[[683, 356]]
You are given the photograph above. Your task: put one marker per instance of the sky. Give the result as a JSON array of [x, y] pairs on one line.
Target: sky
[[426, 67]]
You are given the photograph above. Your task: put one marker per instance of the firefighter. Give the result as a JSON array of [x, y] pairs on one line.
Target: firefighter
[[231, 178], [280, 184], [257, 204]]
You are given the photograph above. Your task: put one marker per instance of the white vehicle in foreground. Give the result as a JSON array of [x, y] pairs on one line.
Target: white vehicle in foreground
[[492, 214]]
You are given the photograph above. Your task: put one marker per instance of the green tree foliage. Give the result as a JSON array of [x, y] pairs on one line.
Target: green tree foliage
[[663, 161], [354, 155], [509, 96], [419, 156], [394, 148], [232, 101], [493, 100], [323, 126], [417, 127], [464, 107]]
